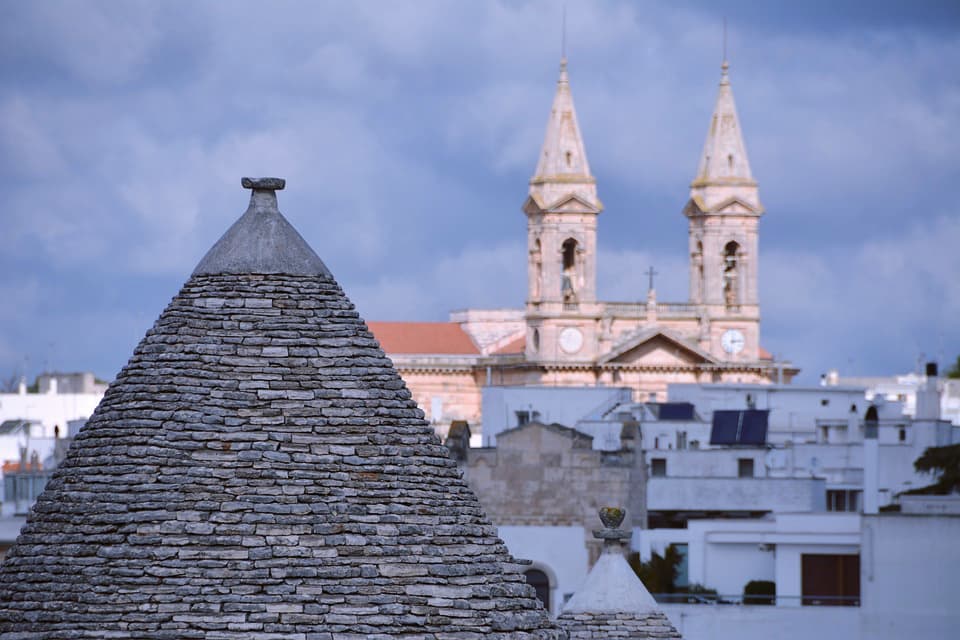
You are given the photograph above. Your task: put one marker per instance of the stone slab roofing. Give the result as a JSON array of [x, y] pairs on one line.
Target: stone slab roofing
[[259, 471]]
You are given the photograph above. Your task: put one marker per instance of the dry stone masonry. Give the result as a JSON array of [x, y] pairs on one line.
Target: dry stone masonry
[[259, 471], [613, 603]]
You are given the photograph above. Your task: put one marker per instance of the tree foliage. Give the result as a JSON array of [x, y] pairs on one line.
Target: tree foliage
[[660, 573], [954, 371], [944, 462]]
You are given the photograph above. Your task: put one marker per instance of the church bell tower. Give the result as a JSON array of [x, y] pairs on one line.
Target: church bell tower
[[562, 208], [724, 213]]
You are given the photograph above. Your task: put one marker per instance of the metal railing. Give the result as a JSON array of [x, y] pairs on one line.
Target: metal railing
[[756, 599]]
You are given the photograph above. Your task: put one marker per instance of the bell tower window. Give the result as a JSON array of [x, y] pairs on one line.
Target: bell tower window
[[731, 274], [698, 271], [569, 270], [569, 159], [536, 261]]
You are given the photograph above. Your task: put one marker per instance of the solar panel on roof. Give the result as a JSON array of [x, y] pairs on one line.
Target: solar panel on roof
[[743, 427], [676, 411]]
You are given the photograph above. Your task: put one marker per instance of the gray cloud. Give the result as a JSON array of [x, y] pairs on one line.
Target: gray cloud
[[408, 132]]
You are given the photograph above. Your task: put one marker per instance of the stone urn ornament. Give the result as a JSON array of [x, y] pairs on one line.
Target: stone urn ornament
[[611, 517]]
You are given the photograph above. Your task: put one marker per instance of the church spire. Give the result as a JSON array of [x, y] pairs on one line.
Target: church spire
[[562, 168], [723, 174], [724, 159]]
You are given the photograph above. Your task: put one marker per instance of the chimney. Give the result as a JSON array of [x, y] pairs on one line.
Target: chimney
[[928, 395], [871, 454], [22, 386]]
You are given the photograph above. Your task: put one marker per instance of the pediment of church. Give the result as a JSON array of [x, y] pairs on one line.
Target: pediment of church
[[734, 205], [570, 203], [738, 205], [656, 347]]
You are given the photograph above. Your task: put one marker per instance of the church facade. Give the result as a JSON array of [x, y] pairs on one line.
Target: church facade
[[565, 336]]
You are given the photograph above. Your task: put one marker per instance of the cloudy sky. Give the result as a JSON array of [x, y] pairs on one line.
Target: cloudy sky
[[407, 132]]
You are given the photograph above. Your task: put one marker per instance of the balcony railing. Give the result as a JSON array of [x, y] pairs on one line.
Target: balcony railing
[[751, 600], [639, 309]]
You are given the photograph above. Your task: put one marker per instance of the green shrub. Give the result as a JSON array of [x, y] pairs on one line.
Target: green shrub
[[760, 592]]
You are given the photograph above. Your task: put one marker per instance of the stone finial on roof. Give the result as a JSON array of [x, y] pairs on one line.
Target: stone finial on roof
[[613, 602], [262, 241]]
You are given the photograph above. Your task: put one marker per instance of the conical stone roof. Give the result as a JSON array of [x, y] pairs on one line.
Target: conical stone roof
[[613, 603], [258, 470]]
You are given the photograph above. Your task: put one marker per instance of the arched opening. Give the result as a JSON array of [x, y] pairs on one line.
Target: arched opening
[[698, 266], [569, 159], [871, 422], [541, 584], [731, 274], [730, 162], [568, 289], [536, 340]]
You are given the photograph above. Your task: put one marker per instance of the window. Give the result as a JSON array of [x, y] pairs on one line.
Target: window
[[843, 500], [731, 275], [744, 467], [683, 567], [824, 402], [541, 584], [830, 579], [568, 289], [658, 467], [569, 158], [681, 439], [523, 417], [902, 435], [536, 340]]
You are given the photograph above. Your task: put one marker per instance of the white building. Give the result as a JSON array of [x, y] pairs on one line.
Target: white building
[[903, 389], [780, 502], [32, 428]]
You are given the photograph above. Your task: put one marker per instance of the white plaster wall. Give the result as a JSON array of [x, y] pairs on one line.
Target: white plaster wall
[[50, 409], [558, 551], [708, 622], [910, 576], [731, 566], [737, 494], [710, 463], [10, 448]]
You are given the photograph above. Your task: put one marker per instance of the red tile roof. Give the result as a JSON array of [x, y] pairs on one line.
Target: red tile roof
[[423, 337], [13, 467], [764, 354]]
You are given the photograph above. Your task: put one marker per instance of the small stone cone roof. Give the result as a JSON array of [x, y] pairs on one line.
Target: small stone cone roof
[[613, 603], [259, 470]]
